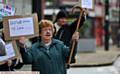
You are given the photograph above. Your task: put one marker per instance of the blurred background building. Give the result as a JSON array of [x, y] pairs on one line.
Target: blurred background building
[[95, 19]]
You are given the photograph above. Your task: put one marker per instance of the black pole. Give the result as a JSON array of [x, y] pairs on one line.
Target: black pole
[[37, 8], [119, 9], [106, 27]]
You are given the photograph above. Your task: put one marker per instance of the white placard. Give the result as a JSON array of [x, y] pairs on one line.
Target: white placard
[[87, 4], [99, 11], [1, 1], [21, 26], [9, 52], [6, 10]]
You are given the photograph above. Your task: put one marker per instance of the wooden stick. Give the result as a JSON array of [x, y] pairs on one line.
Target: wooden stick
[[73, 45]]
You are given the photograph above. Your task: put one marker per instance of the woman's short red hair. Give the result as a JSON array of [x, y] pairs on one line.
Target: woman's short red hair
[[45, 23]]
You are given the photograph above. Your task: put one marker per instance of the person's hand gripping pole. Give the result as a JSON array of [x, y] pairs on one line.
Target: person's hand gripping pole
[[74, 41]]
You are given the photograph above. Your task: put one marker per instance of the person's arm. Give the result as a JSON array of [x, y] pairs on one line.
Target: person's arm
[[25, 53], [73, 25], [66, 52], [75, 36]]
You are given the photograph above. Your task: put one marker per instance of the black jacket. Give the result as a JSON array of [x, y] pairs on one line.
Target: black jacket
[[5, 67], [65, 34]]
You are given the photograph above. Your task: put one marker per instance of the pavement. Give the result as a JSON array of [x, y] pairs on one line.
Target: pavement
[[98, 58], [93, 70], [92, 59]]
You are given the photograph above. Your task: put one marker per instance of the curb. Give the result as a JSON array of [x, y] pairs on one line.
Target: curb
[[97, 65], [94, 65]]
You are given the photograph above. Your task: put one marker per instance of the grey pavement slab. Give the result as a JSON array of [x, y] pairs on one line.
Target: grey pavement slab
[[100, 57], [86, 45], [117, 64], [93, 70]]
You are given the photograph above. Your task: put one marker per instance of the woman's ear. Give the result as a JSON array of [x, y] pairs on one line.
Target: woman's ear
[[54, 30], [39, 34]]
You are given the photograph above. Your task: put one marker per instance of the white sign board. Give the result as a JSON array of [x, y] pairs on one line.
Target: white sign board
[[1, 1], [17, 26], [9, 52], [89, 4], [21, 26], [99, 11], [6, 10]]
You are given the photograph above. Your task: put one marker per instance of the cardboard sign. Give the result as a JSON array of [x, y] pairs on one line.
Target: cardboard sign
[[11, 52], [20, 26], [6, 10], [89, 4]]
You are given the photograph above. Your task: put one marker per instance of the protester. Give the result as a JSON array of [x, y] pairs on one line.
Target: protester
[[9, 65], [66, 32], [48, 55]]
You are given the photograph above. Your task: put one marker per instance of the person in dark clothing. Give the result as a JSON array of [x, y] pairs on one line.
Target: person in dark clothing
[[48, 56], [6, 66], [65, 32], [118, 37], [9, 65]]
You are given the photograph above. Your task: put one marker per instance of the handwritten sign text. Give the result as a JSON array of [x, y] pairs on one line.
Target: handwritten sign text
[[21, 26]]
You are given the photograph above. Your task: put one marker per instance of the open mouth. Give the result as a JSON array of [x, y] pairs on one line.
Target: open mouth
[[48, 35]]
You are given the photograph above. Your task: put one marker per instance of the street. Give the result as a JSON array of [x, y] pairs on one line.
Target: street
[[113, 69], [96, 56], [93, 70], [117, 64]]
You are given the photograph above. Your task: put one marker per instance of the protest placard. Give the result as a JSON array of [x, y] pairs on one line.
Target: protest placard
[[19, 26], [6, 10], [89, 4], [11, 52], [1, 1]]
